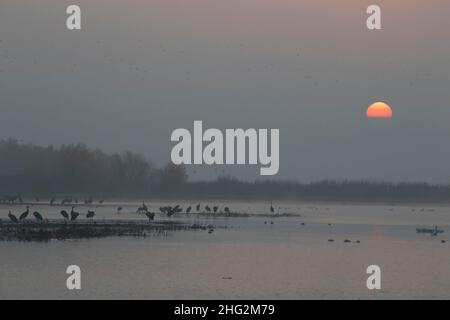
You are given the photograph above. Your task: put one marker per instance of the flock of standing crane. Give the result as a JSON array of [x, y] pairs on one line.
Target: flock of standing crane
[[169, 211], [68, 216]]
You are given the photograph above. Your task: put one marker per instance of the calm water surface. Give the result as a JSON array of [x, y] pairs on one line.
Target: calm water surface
[[249, 258]]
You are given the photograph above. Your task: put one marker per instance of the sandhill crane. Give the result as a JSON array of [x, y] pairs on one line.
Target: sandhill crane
[[215, 208], [90, 215], [24, 215], [271, 208], [73, 214], [38, 216], [64, 214], [198, 207], [150, 216], [188, 210], [207, 208], [12, 217], [227, 210], [142, 209], [170, 211]]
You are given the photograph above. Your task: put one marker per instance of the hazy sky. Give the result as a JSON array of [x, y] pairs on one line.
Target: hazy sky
[[140, 69]]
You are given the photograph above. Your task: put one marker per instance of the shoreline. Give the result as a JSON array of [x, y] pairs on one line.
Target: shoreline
[[57, 230]]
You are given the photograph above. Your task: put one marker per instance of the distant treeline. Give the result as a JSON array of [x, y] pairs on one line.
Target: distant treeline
[[27, 169], [326, 190], [76, 169]]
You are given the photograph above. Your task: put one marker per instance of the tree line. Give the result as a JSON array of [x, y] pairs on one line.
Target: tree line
[[77, 169], [27, 169]]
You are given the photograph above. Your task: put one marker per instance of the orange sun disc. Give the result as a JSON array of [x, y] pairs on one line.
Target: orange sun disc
[[379, 110]]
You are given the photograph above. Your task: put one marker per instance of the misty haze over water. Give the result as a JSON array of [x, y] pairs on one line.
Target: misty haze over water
[[139, 70]]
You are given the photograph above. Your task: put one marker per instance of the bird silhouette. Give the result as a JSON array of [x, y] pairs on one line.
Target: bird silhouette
[[142, 209], [150, 215], [227, 210], [38, 216], [207, 208], [198, 207], [65, 214], [73, 214], [271, 208], [90, 214], [188, 210], [170, 211], [12, 217], [215, 208], [24, 215]]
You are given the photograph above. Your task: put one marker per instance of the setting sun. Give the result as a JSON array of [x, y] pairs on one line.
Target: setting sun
[[379, 110]]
